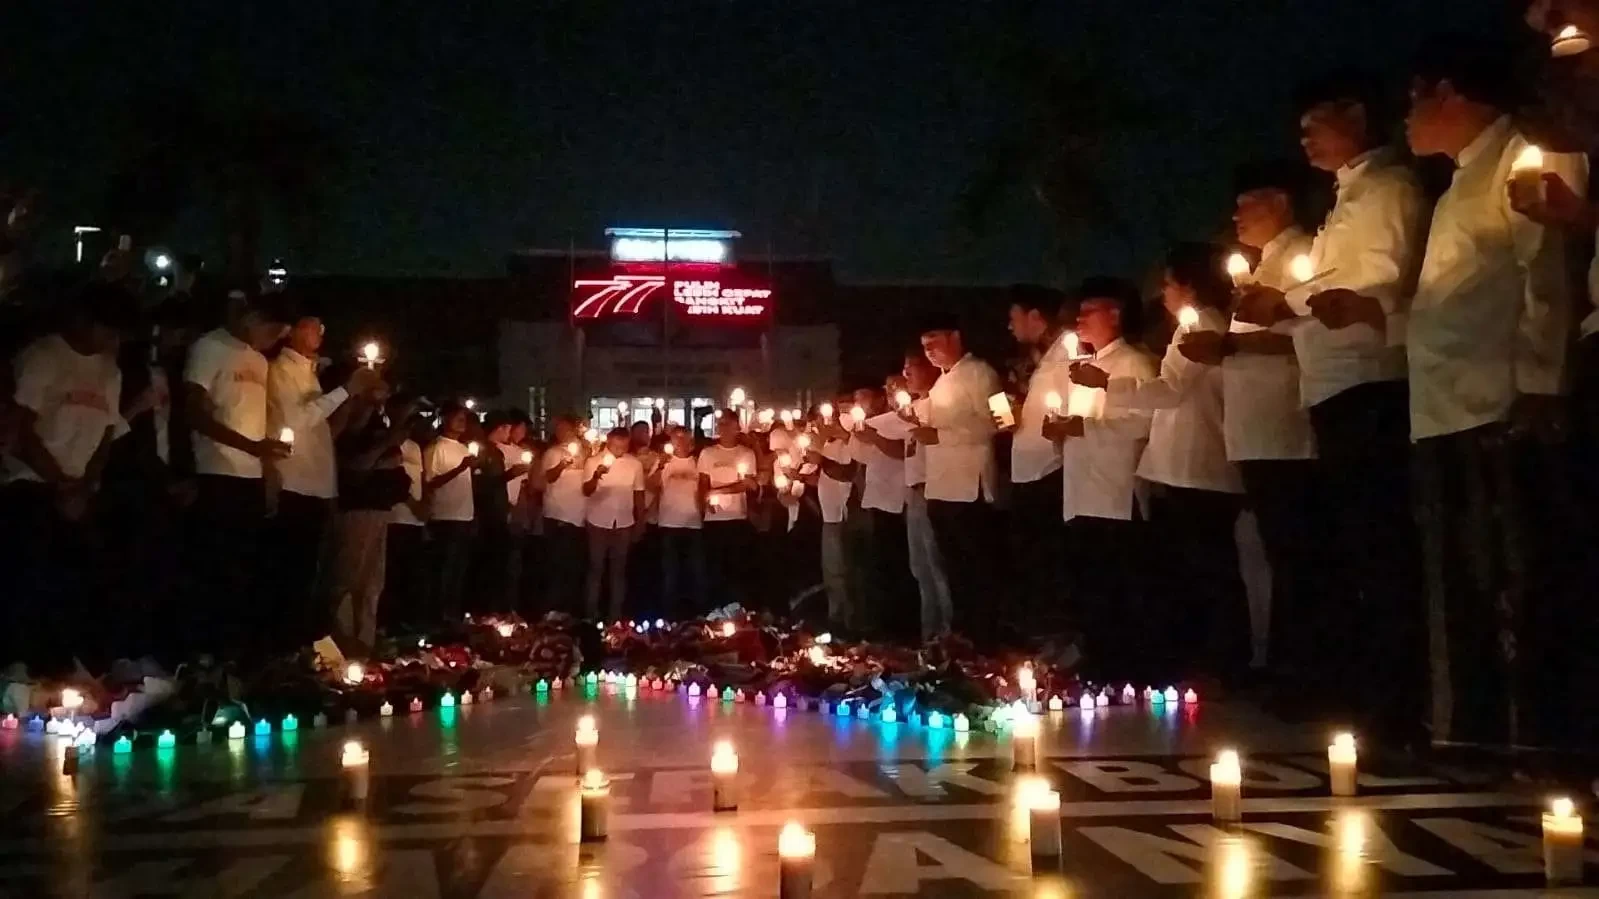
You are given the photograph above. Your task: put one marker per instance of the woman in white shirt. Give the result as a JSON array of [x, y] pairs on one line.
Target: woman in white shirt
[[1194, 492], [613, 482]]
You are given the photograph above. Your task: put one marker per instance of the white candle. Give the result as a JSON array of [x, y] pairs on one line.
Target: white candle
[[827, 412], [587, 741], [1562, 843], [354, 760], [1226, 787], [594, 807], [1024, 742], [743, 469], [1238, 269], [1043, 825], [384, 710], [670, 449], [724, 778], [1342, 764], [803, 441], [796, 853], [473, 448], [1187, 318], [1052, 403]]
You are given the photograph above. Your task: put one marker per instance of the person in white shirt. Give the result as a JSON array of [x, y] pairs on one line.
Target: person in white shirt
[[883, 501], [957, 436], [613, 484], [564, 556], [307, 478], [517, 459], [1038, 566], [926, 562], [447, 474], [1488, 333], [834, 477], [67, 400], [225, 397], [1196, 493], [1100, 452], [679, 517], [727, 476], [405, 594], [1352, 378]]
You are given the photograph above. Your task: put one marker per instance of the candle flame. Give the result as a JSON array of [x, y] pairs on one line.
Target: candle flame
[[1302, 268], [827, 411], [354, 755], [723, 759], [737, 397], [857, 414], [1563, 807], [1052, 401], [902, 398], [728, 628], [609, 460], [593, 779], [71, 699], [354, 673], [371, 351], [1344, 742], [1188, 316], [572, 448], [1529, 160], [1228, 758], [472, 449], [780, 481], [1238, 266], [527, 457], [795, 842], [286, 436]]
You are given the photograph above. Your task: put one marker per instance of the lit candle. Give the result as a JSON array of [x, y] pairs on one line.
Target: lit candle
[[447, 701], [591, 435], [1073, 345], [9, 722], [962, 723], [371, 354], [485, 695], [760, 698], [1043, 825], [728, 628], [803, 441], [796, 853], [506, 629], [724, 778], [466, 697], [1342, 764], [693, 691], [1569, 41], [1190, 697], [1562, 843], [1129, 695], [1226, 787], [72, 701], [787, 418], [236, 730], [356, 770], [1302, 268], [386, 709], [780, 481], [1187, 318], [573, 448], [780, 701], [1024, 742], [1526, 172], [354, 673], [827, 412], [1170, 695], [473, 448], [527, 457], [416, 704], [817, 655], [594, 807], [286, 436], [902, 399], [743, 469], [1238, 269], [857, 416], [1052, 404], [1056, 704]]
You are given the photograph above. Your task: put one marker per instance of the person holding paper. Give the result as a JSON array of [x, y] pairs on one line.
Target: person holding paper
[[926, 562], [957, 435], [883, 500]]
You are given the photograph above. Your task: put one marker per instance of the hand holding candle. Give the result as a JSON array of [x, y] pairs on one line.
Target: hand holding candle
[[1052, 404], [999, 407], [1187, 318], [1526, 177], [1239, 270]]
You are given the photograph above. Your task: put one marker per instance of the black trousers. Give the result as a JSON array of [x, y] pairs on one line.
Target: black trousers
[[899, 616], [452, 564], [729, 564], [406, 581], [1375, 642], [565, 561], [682, 572], [1581, 630], [1292, 519], [968, 536], [1496, 517], [1201, 599], [231, 608], [491, 567], [1038, 555], [1107, 564], [47, 614], [299, 531]]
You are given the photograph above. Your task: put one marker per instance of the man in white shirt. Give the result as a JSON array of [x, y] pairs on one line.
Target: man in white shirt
[[727, 476], [67, 396], [1488, 334], [225, 396], [447, 472], [565, 516], [1039, 566], [405, 590], [307, 479], [1352, 378], [926, 562], [883, 501], [613, 484], [957, 436], [834, 477], [1100, 452], [679, 516]]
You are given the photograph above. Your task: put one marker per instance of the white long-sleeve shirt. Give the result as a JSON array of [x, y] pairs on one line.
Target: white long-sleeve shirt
[[1492, 313], [1034, 457], [960, 466], [1262, 415], [1098, 478], [1371, 244], [295, 400]]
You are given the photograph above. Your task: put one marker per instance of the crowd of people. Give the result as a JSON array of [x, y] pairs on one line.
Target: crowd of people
[[1359, 454]]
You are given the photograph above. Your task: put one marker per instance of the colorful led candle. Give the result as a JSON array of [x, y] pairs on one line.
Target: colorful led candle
[[724, 778], [890, 714], [1129, 695], [780, 701], [727, 694], [962, 723], [123, 745], [416, 704], [466, 697], [386, 709], [320, 720], [796, 855], [1190, 697], [1342, 764], [935, 720], [289, 724], [1226, 787], [1056, 704], [694, 691], [9, 722], [543, 686], [1170, 696], [236, 730]]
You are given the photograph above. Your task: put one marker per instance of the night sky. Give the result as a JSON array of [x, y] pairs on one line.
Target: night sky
[[464, 130]]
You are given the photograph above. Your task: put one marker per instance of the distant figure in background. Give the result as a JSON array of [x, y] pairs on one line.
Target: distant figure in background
[[372, 479], [407, 580], [613, 483], [500, 470], [447, 488], [565, 516]]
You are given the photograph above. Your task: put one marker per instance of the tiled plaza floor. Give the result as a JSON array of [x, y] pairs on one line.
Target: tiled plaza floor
[[480, 802]]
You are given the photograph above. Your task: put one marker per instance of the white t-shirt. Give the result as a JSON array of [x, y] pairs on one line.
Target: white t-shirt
[[75, 397], [564, 500], [453, 500], [720, 464], [680, 488], [611, 504], [234, 375], [885, 477], [411, 461], [513, 457], [832, 494]]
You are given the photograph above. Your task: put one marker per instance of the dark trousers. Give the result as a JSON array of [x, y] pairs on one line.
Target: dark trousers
[[1496, 518], [1376, 638], [491, 567], [141, 574], [1038, 555], [231, 607], [682, 552], [968, 537], [565, 561], [729, 560], [1580, 632], [406, 580], [899, 615], [1292, 519], [1201, 597], [46, 613], [299, 531], [452, 563], [1108, 593]]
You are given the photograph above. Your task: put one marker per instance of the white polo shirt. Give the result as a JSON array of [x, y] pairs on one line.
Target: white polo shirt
[[411, 461], [295, 400], [76, 399], [453, 501], [564, 500], [720, 464], [1099, 475], [234, 376], [960, 467], [1262, 415], [611, 504], [832, 494], [680, 489], [1033, 456], [884, 486]]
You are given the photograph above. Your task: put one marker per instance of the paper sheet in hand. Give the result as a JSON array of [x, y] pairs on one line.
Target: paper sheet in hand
[[890, 425]]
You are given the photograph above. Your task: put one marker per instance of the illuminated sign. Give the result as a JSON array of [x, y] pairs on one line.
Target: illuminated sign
[[671, 245], [725, 296]]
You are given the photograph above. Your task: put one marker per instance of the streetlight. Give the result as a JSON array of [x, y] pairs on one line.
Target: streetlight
[[163, 261]]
